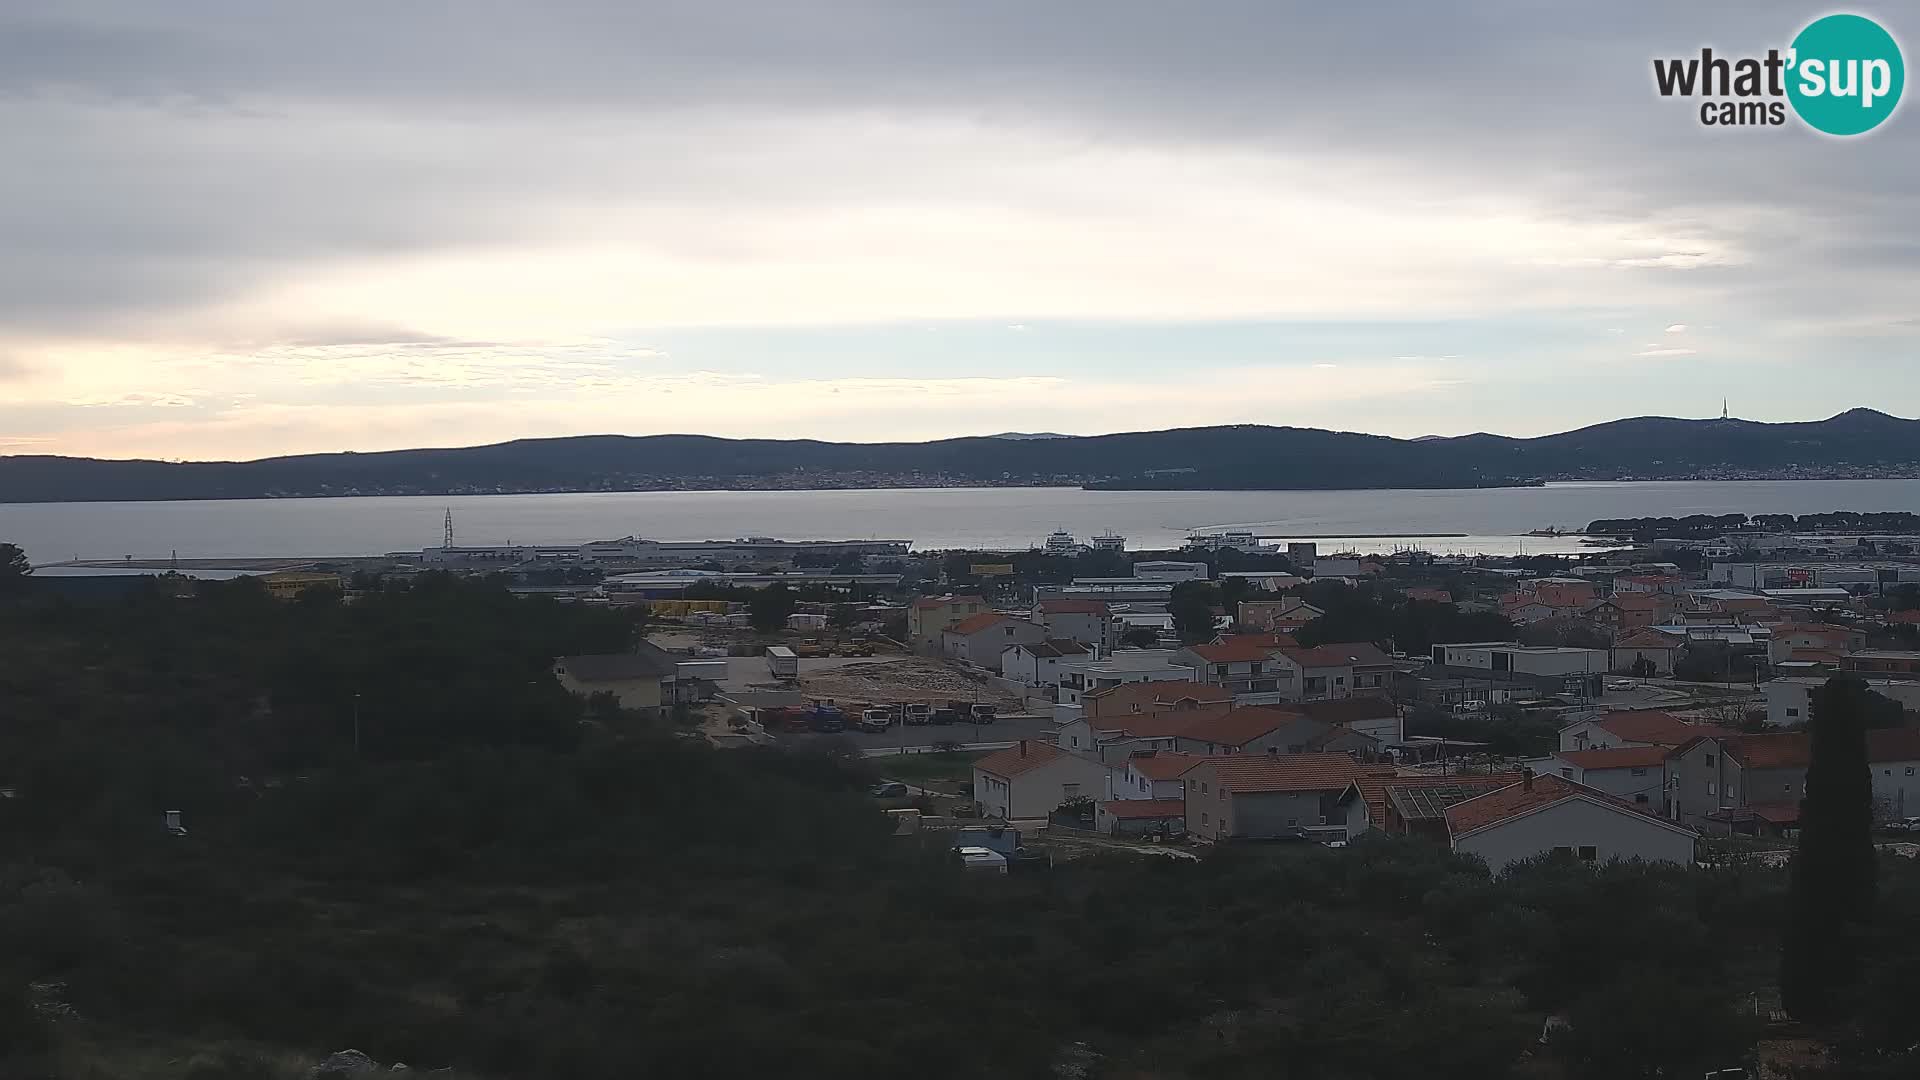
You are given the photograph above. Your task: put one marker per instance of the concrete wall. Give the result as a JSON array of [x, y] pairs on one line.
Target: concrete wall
[[1614, 833]]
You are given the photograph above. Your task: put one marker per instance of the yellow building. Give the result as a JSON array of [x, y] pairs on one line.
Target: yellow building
[[287, 584]]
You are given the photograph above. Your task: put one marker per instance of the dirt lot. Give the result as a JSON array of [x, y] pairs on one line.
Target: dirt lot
[[911, 678]]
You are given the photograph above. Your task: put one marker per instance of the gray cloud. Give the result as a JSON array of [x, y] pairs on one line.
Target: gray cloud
[[182, 152]]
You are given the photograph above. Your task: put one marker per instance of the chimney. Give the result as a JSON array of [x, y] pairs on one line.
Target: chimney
[[1023, 748], [1526, 779]]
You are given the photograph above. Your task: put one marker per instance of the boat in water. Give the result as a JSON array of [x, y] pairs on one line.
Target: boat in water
[[1234, 539], [1109, 541]]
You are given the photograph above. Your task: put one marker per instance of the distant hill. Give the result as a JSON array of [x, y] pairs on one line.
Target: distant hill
[[1860, 442], [1029, 436]]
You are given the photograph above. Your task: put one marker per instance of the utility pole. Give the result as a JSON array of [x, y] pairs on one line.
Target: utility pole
[[356, 723]]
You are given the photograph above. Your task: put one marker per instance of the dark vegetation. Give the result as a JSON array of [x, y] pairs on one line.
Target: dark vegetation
[[1236, 457], [1707, 525], [494, 883], [1378, 614]]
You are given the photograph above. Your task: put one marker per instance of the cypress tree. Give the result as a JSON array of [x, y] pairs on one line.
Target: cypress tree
[[1832, 890]]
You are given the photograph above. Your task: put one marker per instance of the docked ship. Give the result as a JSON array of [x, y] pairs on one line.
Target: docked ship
[[1061, 542], [1109, 541], [1242, 540]]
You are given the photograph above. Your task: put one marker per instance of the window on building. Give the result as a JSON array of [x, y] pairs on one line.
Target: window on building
[[1709, 761], [1793, 712], [1710, 788], [1568, 773], [1637, 772], [1909, 770], [1203, 817], [1292, 821], [1563, 851], [1589, 853], [1069, 790], [1203, 787], [1641, 799]]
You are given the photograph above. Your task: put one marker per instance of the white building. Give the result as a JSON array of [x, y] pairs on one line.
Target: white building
[[1789, 700], [1524, 659], [1168, 570], [1547, 814], [1634, 774], [1043, 664], [1031, 780], [1118, 668]]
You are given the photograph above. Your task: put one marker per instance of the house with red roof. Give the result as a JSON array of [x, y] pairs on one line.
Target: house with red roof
[[1044, 664], [1632, 727], [1242, 664], [1653, 646], [1539, 815], [979, 640], [1635, 774], [1411, 805], [1268, 730], [1792, 638], [1754, 783], [1147, 794], [1088, 622], [929, 616], [1336, 670], [1261, 797], [1031, 779]]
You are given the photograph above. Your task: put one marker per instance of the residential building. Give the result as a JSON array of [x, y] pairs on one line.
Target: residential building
[[1411, 805], [1887, 663], [287, 584], [980, 639], [1044, 664], [1339, 670], [1650, 584], [1539, 815], [1243, 664], [1819, 637], [1121, 667], [1424, 595], [1151, 774], [1653, 646], [1031, 779], [1088, 622], [1633, 727], [1131, 699], [1142, 817], [1341, 566], [641, 679], [929, 617], [1564, 592], [1738, 783], [1371, 714], [1893, 757], [1262, 797], [1254, 730], [1283, 616], [1636, 774], [1790, 698]]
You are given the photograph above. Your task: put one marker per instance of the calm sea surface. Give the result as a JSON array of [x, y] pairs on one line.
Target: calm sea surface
[[1493, 520]]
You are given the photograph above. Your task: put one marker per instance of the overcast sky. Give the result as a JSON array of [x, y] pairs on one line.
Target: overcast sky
[[231, 229]]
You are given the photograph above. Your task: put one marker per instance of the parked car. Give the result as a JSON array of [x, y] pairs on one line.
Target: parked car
[[891, 789], [1620, 684], [857, 648]]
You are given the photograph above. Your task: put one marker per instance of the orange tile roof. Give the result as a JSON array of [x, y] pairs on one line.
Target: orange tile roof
[[1775, 813], [1624, 757], [1163, 764], [1655, 726], [1139, 809], [1648, 639], [1073, 607], [1256, 773], [1267, 640], [1023, 757], [1158, 724], [1234, 650], [1893, 744], [1340, 654], [973, 624], [1235, 727], [1785, 750], [1522, 797], [1437, 596]]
